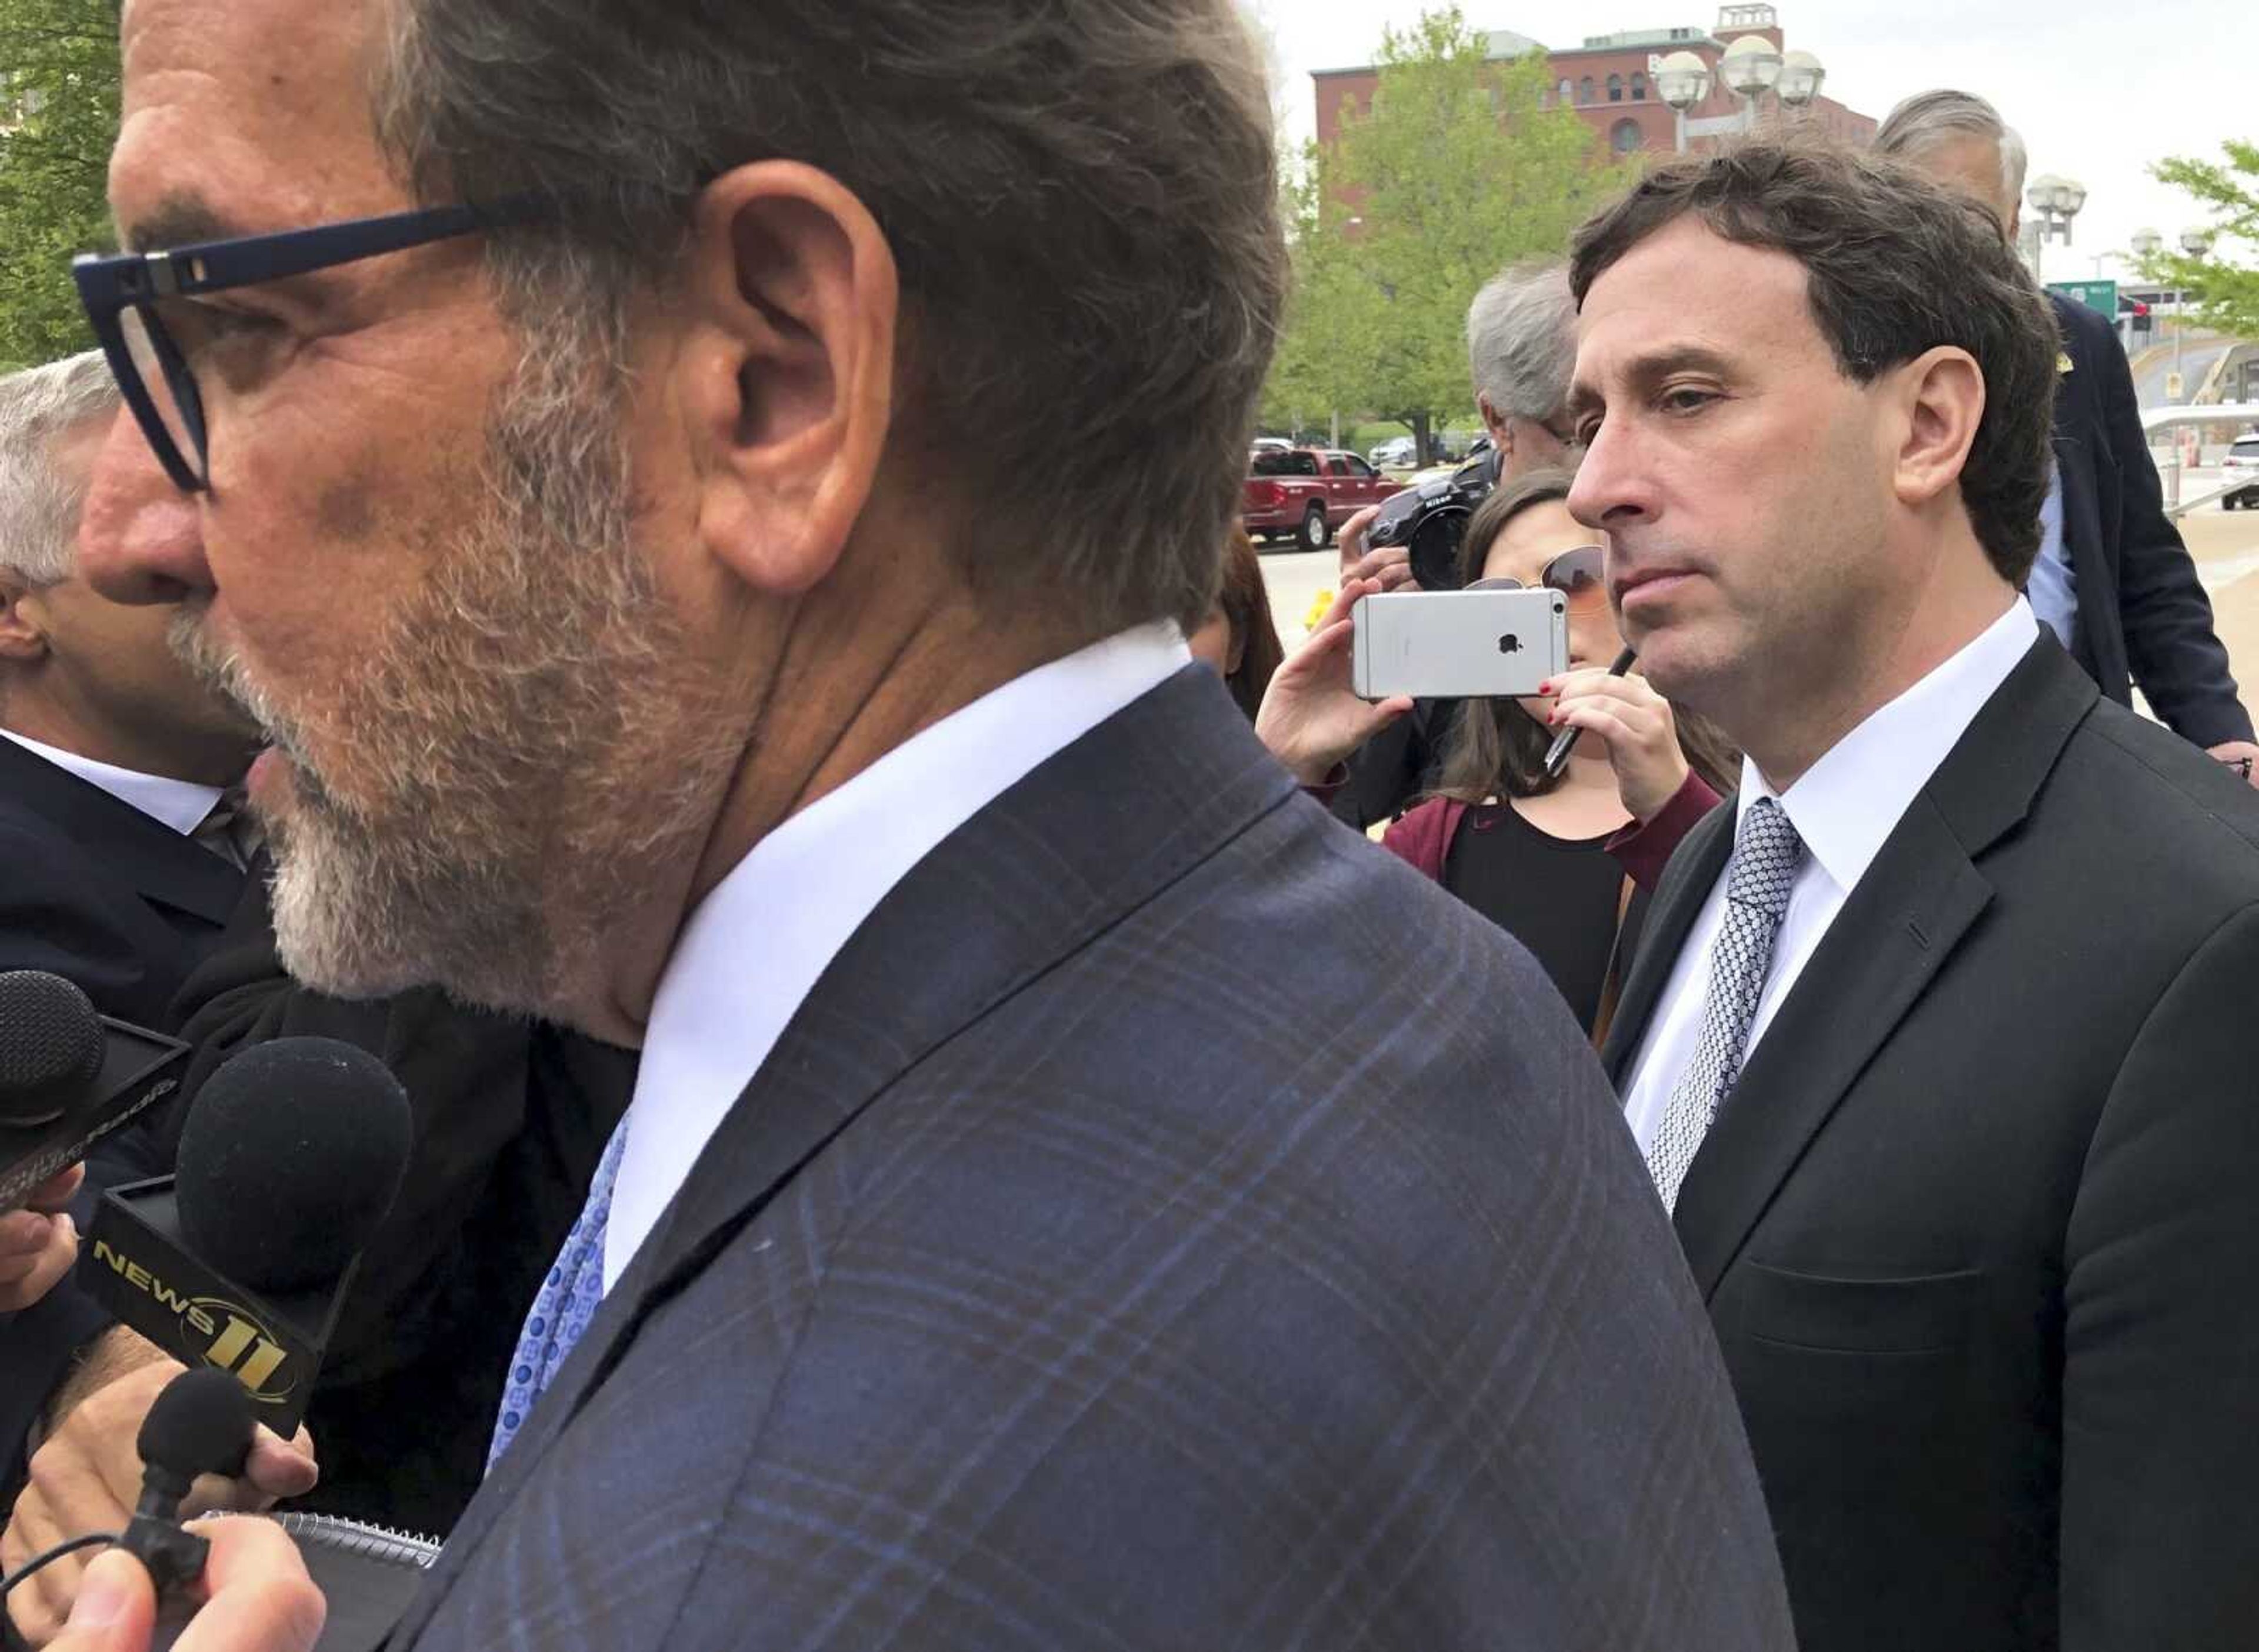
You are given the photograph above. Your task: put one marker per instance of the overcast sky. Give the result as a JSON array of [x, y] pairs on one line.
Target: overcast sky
[[2099, 90]]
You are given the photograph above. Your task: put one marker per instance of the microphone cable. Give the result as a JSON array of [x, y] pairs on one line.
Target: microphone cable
[[39, 1564]]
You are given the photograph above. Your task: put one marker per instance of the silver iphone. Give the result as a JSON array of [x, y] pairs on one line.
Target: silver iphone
[[1459, 644]]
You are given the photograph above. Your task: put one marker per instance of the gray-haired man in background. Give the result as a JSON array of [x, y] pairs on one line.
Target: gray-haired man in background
[[2114, 579]]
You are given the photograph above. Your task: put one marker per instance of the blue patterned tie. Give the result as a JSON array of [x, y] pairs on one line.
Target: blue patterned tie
[[567, 1301]]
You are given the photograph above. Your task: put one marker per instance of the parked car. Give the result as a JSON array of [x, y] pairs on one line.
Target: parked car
[[1306, 492], [2243, 461], [1400, 451], [1274, 443]]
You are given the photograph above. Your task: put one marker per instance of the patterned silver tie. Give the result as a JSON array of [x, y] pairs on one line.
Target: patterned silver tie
[[1766, 857]]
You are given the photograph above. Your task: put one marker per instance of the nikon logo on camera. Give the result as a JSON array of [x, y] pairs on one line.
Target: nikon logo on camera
[[213, 1330]]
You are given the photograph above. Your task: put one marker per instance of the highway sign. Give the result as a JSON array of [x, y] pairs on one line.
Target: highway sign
[[2101, 295]]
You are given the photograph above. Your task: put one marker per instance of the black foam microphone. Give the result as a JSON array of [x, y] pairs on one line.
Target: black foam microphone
[[200, 1423], [290, 1157], [68, 1077]]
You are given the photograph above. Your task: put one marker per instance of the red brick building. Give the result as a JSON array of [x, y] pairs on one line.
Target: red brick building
[[1610, 81]]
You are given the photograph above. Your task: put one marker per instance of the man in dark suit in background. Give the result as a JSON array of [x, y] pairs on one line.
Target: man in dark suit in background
[[1074, 1194], [1938, 1044], [113, 758], [2113, 580], [120, 858]]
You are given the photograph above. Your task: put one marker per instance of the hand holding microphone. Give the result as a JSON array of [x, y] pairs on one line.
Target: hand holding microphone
[[242, 1579], [38, 1243], [87, 1476], [289, 1161], [68, 1077]]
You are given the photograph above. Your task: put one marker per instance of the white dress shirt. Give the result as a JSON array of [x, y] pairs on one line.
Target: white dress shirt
[[1844, 809], [179, 804], [757, 944]]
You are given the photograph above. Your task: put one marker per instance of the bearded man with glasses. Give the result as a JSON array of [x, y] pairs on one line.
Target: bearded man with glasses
[[657, 592]]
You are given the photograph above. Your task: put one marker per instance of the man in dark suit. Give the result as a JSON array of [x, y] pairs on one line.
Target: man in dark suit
[[114, 871], [1936, 1045], [112, 757], [2113, 579], [1074, 1193]]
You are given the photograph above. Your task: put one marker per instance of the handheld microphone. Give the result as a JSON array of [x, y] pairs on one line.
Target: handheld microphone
[[68, 1077], [290, 1157], [199, 1424]]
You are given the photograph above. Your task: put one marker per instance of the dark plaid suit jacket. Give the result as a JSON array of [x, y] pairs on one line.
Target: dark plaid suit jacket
[[1171, 1222]]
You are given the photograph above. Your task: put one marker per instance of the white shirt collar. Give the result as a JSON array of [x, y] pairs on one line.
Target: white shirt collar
[[181, 805], [756, 945], [1846, 805]]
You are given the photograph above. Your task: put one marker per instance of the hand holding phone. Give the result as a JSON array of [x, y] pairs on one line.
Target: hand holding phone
[[1459, 644]]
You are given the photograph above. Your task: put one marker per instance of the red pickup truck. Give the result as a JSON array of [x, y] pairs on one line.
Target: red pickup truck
[[1308, 492]]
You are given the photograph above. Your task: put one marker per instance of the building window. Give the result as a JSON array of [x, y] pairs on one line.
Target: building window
[[1638, 89], [1624, 136], [1584, 89], [1615, 89], [1568, 92]]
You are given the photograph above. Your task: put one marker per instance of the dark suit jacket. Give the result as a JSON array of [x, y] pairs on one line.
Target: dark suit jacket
[[2143, 615], [1171, 1223], [95, 890], [1975, 1226]]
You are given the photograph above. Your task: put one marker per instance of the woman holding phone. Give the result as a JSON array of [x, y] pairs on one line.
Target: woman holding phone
[[1560, 863]]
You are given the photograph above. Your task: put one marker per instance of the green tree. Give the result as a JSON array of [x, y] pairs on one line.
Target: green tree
[[1459, 167], [58, 117], [2226, 284]]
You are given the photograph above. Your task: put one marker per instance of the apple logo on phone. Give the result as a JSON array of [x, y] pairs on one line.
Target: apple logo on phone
[[1509, 643]]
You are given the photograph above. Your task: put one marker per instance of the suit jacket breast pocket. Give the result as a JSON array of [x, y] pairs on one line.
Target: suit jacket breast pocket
[[1922, 1314]]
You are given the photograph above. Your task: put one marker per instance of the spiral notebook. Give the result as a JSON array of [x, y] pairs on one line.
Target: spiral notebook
[[368, 1573]]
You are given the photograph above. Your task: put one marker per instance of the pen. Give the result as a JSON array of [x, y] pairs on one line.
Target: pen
[[1558, 758]]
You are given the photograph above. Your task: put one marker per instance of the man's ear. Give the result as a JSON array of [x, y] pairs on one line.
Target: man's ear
[[1942, 395], [788, 372], [22, 630], [1501, 437]]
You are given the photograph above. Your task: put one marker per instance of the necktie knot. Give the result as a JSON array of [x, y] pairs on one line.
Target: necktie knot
[[1767, 854], [229, 831]]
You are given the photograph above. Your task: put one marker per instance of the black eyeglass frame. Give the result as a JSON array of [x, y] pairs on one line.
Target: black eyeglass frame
[[110, 285]]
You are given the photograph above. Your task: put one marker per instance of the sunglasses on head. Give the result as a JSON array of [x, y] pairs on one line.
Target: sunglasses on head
[[1577, 573]]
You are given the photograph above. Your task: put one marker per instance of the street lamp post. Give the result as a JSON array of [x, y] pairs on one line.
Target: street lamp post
[[1682, 80], [1750, 66], [2055, 202], [2146, 244], [1801, 76], [2196, 242]]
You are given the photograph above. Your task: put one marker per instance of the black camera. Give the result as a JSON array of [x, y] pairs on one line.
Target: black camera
[[1431, 520]]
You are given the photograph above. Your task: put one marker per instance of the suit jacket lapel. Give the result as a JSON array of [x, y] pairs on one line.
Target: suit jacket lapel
[[1908, 915], [160, 864], [1687, 883], [1141, 801]]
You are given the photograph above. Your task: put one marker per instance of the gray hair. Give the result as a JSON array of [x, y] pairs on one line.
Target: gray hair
[[1928, 119], [1522, 340], [1081, 200], [39, 501]]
